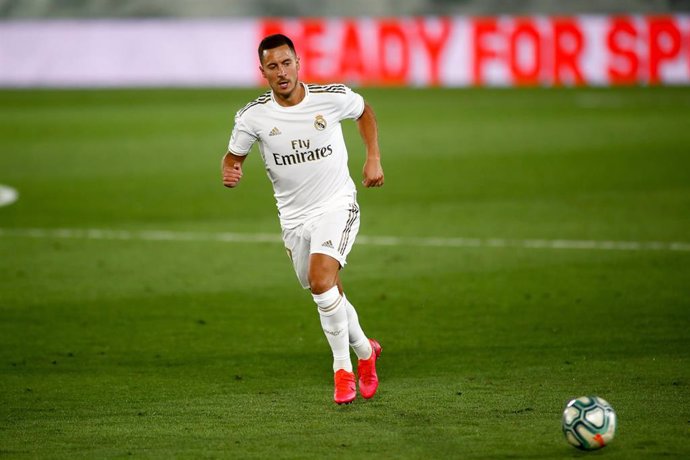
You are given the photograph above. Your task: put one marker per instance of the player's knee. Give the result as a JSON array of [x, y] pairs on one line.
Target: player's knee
[[323, 273], [319, 285]]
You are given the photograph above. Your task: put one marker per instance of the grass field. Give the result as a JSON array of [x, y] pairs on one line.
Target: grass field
[[539, 250]]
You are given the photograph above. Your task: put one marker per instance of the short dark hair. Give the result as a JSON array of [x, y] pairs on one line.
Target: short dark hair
[[274, 41]]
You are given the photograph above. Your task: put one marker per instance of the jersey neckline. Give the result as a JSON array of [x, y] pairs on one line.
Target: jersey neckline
[[291, 107]]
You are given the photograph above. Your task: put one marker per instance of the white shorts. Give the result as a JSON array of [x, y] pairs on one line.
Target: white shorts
[[332, 233]]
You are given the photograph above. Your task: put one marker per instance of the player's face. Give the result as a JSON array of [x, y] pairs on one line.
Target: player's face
[[280, 67]]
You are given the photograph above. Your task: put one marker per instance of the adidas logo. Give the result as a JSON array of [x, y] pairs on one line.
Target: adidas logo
[[274, 132], [327, 244]]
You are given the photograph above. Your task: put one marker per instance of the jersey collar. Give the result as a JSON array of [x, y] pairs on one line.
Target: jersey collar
[[292, 107]]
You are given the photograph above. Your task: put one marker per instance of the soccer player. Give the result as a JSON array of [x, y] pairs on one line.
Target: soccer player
[[297, 126]]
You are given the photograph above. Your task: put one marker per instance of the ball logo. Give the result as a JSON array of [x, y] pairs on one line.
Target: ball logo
[[320, 123]]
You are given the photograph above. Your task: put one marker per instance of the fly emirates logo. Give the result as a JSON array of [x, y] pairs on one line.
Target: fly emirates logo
[[302, 153]]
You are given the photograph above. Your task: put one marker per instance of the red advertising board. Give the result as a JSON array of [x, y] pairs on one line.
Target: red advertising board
[[504, 51]]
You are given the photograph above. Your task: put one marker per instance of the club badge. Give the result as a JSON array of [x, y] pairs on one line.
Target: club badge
[[320, 123]]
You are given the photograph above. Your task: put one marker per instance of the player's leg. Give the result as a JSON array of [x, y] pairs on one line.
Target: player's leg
[[367, 350], [334, 237], [323, 273], [297, 245], [358, 340]]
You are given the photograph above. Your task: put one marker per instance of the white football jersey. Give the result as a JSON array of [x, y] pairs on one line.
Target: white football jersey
[[302, 147]]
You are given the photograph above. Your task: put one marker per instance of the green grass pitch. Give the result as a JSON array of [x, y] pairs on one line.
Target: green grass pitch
[[573, 279]]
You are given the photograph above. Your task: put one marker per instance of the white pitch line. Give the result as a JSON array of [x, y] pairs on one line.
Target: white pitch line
[[226, 237]]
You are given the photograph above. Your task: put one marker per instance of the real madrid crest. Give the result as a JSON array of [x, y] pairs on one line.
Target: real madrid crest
[[320, 123]]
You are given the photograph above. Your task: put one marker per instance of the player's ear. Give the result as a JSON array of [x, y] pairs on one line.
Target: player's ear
[[263, 73], [297, 62]]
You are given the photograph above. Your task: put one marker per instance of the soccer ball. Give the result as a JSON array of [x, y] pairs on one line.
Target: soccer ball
[[589, 423]]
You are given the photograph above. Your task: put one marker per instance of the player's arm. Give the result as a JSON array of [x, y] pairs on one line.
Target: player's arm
[[232, 169], [368, 130]]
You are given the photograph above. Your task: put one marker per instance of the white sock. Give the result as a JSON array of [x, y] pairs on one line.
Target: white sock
[[358, 341], [334, 322]]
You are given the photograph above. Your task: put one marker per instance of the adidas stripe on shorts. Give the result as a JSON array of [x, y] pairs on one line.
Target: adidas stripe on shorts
[[332, 233]]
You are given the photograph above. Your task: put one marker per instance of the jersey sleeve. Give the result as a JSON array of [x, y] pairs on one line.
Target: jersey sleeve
[[242, 137], [352, 105]]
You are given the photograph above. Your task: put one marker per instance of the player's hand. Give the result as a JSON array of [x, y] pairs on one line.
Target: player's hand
[[373, 173], [232, 173]]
